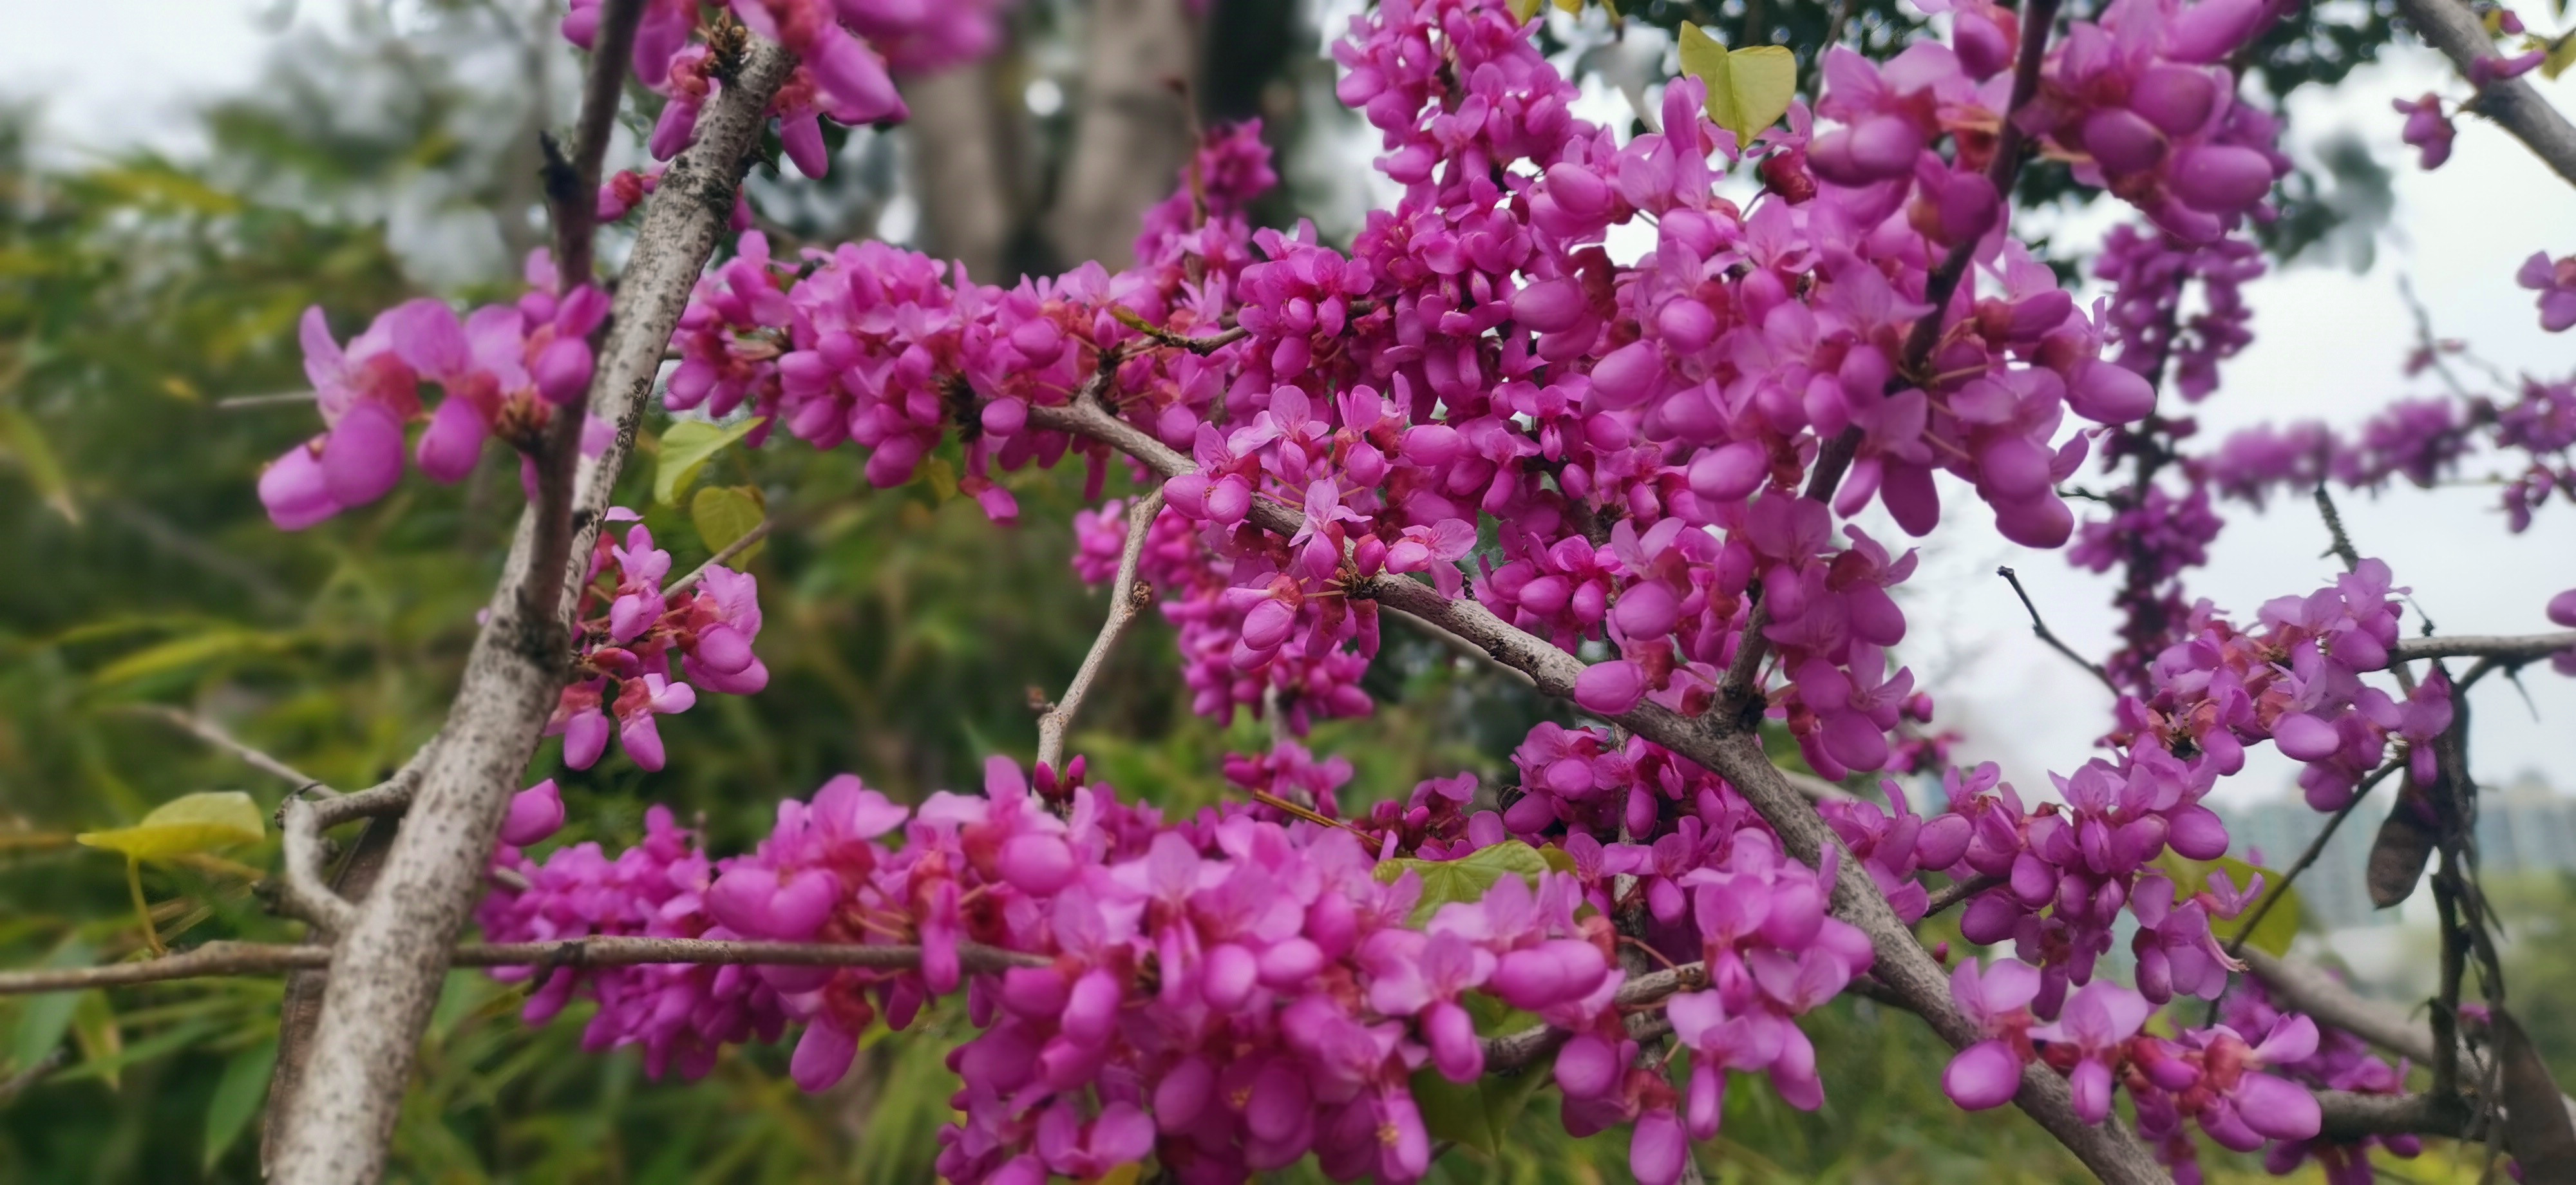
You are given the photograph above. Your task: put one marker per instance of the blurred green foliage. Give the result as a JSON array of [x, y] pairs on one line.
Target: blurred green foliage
[[907, 636]]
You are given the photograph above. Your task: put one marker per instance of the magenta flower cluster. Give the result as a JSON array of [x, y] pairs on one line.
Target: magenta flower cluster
[[624, 666], [504, 370], [1234, 991]]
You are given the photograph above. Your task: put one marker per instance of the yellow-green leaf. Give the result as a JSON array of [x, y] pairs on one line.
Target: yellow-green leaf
[[687, 446], [94, 1027], [199, 822], [25, 443], [1569, 7], [2280, 925], [723, 514], [1748, 89], [941, 477], [183, 653], [2562, 54], [1465, 879]]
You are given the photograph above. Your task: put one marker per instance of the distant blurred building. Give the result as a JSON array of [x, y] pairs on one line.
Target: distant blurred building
[[2523, 826]]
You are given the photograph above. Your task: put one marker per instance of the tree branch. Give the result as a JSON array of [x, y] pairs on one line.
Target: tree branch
[[264, 958], [2039, 627], [2450, 27], [2316, 847], [2502, 648], [301, 892], [1719, 745], [1962, 890], [1128, 596], [386, 969], [725, 555]]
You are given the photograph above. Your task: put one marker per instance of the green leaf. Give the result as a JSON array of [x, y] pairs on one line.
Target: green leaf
[[190, 823], [94, 1027], [44, 1020], [180, 654], [237, 1098], [1452, 1112], [723, 514], [687, 446], [2280, 925], [941, 478], [1748, 89], [1523, 10], [1467, 879], [24, 442], [2562, 54], [1478, 1114]]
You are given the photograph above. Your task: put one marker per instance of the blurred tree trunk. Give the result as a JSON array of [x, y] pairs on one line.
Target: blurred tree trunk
[[1133, 131], [965, 167]]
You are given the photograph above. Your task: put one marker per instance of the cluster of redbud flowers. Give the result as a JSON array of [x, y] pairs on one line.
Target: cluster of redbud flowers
[[629, 634], [505, 370], [1636, 434]]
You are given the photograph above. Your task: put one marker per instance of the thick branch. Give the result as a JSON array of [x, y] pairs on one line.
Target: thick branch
[[2350, 1116], [301, 891], [1128, 596], [2502, 648], [386, 970], [259, 958], [2449, 26]]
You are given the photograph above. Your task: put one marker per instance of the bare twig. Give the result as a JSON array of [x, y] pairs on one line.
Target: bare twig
[[1460, 646], [2039, 626], [1957, 892], [265, 958], [279, 399], [389, 797], [1128, 596], [725, 555], [386, 969], [2452, 28], [216, 735], [2316, 847], [17, 1084]]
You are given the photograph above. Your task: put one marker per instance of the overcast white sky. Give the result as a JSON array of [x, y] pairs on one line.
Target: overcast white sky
[[2329, 345]]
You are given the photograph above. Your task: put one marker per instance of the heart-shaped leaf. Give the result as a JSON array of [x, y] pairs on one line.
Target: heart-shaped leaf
[[723, 514], [687, 446], [1748, 89], [185, 825], [1464, 879]]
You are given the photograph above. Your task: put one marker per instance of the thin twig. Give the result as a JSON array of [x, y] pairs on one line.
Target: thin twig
[[17, 1084], [1128, 597], [1462, 647], [2039, 626], [2341, 545], [216, 735], [2316, 848], [724, 555], [1959, 891], [279, 399], [266, 958]]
